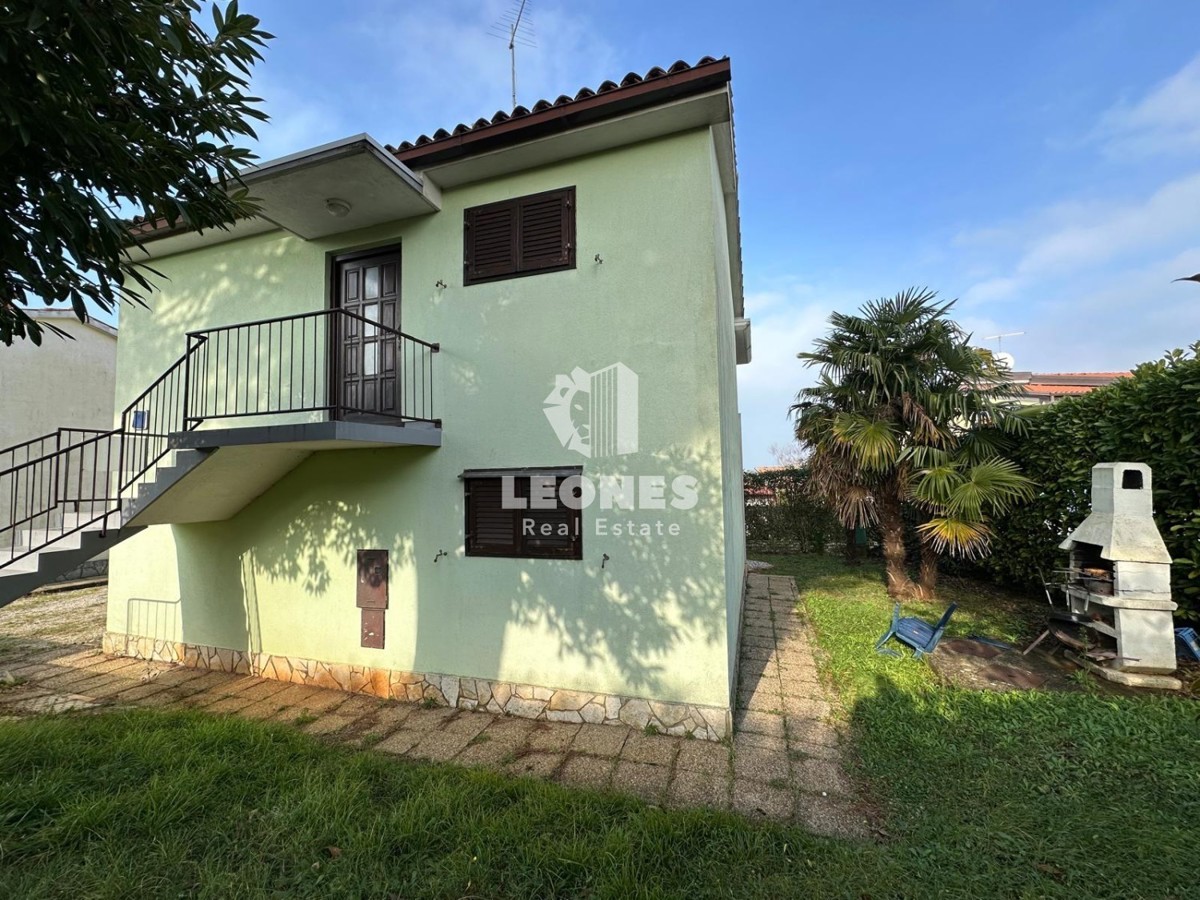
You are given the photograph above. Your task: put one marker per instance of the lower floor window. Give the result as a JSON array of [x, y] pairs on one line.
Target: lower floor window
[[523, 513]]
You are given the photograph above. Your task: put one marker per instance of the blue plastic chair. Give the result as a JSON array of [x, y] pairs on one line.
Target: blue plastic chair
[[1189, 642], [919, 635]]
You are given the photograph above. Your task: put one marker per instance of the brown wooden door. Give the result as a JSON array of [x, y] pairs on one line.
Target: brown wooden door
[[368, 287]]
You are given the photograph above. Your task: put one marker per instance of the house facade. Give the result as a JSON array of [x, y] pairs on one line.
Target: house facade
[[455, 420]]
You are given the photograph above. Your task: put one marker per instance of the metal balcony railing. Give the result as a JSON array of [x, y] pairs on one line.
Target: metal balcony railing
[[331, 361]]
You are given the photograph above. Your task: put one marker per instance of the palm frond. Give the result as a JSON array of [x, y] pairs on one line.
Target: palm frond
[[956, 536]]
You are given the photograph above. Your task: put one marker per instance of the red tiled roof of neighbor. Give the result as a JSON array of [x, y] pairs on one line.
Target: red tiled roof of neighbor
[[1062, 383], [547, 116], [1049, 376], [1034, 388]]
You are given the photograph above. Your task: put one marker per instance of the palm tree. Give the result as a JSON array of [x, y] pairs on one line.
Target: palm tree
[[906, 411]]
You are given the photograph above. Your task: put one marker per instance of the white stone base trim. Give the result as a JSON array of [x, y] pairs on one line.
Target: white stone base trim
[[528, 701]]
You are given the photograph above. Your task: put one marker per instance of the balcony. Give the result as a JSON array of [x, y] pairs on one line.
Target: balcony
[[315, 378], [247, 403]]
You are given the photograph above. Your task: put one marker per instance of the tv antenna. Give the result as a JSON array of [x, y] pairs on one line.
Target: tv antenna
[[999, 339], [515, 27]]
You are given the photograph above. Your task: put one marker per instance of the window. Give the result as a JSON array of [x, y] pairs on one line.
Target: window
[[501, 520], [522, 236]]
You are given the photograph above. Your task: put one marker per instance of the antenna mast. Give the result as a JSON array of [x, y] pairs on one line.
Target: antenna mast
[[516, 28], [999, 339]]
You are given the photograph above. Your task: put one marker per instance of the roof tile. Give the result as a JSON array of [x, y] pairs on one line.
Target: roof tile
[[584, 93]]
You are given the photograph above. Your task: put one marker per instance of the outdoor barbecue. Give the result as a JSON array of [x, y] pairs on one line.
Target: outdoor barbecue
[[1118, 618]]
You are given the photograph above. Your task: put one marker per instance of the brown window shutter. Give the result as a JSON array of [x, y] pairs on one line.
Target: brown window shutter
[[547, 230], [568, 546], [490, 241], [491, 529], [522, 236]]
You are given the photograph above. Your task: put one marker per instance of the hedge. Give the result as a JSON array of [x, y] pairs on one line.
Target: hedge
[[783, 517], [1152, 417]]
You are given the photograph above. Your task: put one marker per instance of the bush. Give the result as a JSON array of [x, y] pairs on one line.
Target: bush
[[783, 517], [1152, 417]]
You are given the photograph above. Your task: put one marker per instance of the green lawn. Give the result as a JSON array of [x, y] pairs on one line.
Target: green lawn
[[1032, 792], [146, 804], [981, 795]]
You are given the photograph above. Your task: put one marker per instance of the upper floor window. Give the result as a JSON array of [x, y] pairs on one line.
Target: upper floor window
[[521, 236]]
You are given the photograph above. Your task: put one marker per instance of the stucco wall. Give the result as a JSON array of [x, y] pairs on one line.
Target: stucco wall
[[732, 494], [61, 383], [280, 576]]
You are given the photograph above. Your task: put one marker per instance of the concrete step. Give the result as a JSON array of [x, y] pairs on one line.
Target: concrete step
[[20, 576]]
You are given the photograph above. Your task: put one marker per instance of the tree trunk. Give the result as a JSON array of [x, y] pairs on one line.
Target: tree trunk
[[852, 547], [891, 525], [929, 572]]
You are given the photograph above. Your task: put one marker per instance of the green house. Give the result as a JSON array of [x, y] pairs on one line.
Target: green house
[[454, 419]]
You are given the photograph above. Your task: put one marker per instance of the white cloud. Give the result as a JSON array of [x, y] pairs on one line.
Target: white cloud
[[1165, 121], [1096, 236]]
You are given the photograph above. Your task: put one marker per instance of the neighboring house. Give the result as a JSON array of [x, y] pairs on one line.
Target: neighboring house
[[763, 493], [69, 380], [454, 420], [1046, 387]]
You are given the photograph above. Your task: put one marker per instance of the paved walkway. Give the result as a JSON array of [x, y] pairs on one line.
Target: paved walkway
[[784, 763]]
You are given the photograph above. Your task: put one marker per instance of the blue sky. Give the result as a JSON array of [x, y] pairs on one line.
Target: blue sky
[[1040, 161]]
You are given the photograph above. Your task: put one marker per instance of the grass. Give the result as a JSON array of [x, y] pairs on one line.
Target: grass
[[1034, 793], [146, 803], [979, 794]]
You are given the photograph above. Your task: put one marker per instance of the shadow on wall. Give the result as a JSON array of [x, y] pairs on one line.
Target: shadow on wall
[[193, 293], [626, 614], [299, 533]]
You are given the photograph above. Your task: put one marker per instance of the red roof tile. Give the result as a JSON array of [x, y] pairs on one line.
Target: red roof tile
[[1033, 388], [1048, 376], [522, 123]]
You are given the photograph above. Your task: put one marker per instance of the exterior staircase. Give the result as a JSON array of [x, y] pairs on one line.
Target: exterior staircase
[[68, 496]]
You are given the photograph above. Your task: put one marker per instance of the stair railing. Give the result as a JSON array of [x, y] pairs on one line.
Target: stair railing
[[148, 422], [80, 477], [56, 494]]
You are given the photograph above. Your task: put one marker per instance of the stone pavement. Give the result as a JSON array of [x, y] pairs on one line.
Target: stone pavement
[[784, 762]]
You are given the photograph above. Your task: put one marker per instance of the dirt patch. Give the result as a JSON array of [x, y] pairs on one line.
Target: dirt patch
[[53, 619], [984, 667]]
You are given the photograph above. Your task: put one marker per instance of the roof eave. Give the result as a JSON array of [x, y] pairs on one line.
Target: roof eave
[[619, 101]]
